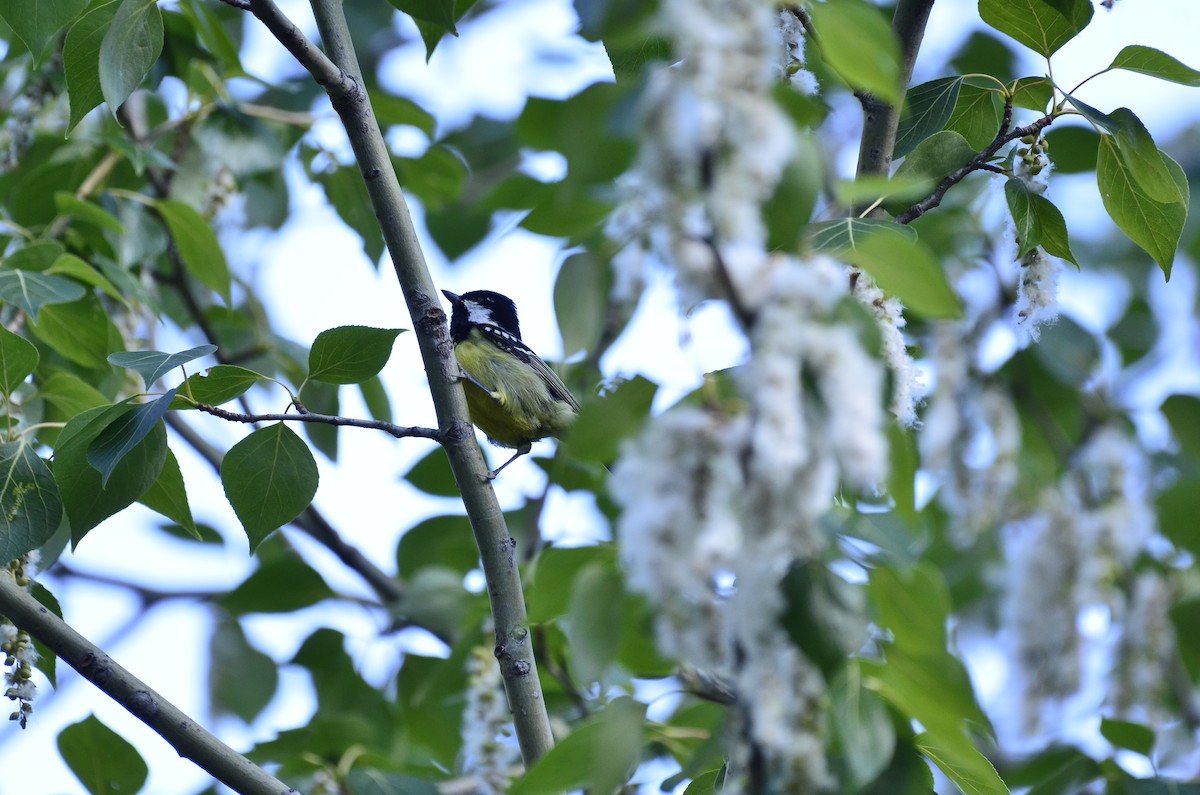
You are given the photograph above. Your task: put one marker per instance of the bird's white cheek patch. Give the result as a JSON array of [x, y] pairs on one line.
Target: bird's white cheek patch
[[477, 313]]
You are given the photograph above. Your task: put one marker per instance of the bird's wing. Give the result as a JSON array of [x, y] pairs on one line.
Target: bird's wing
[[508, 342]]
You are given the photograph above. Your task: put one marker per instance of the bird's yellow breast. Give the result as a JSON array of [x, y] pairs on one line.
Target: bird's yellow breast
[[521, 410]]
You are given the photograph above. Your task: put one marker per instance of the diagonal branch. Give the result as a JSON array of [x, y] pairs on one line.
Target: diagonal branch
[[339, 74], [186, 736]]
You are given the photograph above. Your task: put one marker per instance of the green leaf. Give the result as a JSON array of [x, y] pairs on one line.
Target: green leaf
[[1123, 734], [1183, 414], [432, 475], [29, 501], [270, 477], [976, 116], [1073, 148], [913, 604], [1154, 226], [1032, 93], [30, 291], [72, 266], [368, 781], [927, 109], [283, 583], [554, 575], [394, 111], [130, 48], [81, 58], [36, 256], [593, 633], [902, 476], [1145, 162], [212, 34], [437, 541], [103, 761], [581, 301], [168, 497], [1054, 771], [604, 422], [196, 242], [346, 192], [18, 359], [437, 176], [920, 677], [872, 187], [1160, 786], [937, 156], [1053, 227], [962, 763], [350, 354], [69, 394], [322, 398], [1095, 116], [1020, 206], [217, 385], [124, 433], [81, 331], [435, 600], [620, 741], [824, 615], [1185, 614], [909, 271], [1155, 63], [241, 679], [704, 784], [791, 204], [36, 23], [457, 228], [375, 396], [47, 659], [847, 234], [152, 365], [87, 503], [862, 725], [858, 43], [436, 12], [573, 762], [1041, 25]]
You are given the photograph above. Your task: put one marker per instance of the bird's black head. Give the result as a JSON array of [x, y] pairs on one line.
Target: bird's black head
[[481, 307]]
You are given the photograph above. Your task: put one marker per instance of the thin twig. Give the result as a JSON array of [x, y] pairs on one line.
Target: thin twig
[[399, 431], [732, 296], [978, 163], [186, 736]]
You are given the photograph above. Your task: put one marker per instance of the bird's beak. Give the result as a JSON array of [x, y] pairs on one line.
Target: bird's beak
[[454, 299]]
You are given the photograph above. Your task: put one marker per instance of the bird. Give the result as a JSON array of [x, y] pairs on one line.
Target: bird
[[512, 395]]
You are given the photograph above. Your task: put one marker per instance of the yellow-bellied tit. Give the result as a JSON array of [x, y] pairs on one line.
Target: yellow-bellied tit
[[513, 396]]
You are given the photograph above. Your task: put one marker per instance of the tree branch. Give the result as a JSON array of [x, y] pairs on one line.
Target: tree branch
[[978, 163], [881, 120], [399, 431], [187, 737], [341, 79]]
